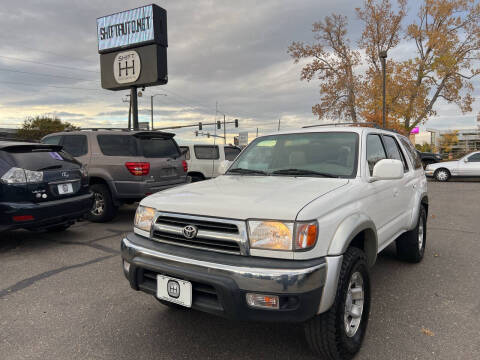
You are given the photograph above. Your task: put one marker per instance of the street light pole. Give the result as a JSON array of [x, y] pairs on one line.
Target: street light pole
[[383, 56], [151, 107]]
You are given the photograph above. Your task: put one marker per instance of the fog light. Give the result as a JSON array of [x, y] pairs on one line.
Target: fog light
[[263, 301], [126, 267]]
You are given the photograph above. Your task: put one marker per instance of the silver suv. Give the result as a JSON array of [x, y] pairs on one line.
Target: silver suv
[[124, 166]]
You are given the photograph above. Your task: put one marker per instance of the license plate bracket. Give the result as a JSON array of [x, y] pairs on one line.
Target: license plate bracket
[[66, 188], [174, 290]]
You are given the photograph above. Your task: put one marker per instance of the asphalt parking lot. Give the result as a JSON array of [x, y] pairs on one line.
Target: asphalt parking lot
[[64, 296]]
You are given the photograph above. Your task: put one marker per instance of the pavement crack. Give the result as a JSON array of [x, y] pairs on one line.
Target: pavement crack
[[31, 280]]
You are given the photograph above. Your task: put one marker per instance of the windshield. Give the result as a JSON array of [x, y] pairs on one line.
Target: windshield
[[324, 154]]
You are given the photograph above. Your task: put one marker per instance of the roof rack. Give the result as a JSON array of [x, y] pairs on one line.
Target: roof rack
[[375, 125], [109, 128]]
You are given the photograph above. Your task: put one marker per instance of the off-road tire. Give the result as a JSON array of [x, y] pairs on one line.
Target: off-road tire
[[197, 178], [442, 175], [326, 333], [409, 247], [101, 191]]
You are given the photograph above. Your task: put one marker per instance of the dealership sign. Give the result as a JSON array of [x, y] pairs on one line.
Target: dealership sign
[[132, 28], [133, 48]]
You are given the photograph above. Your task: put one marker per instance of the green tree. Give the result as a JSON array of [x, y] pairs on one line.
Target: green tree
[[34, 128]]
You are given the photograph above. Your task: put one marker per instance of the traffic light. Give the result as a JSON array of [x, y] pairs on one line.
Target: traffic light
[[200, 127], [196, 133], [236, 123], [219, 125]]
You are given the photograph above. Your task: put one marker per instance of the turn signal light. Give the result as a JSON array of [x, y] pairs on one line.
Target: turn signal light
[[138, 168], [263, 301], [306, 235]]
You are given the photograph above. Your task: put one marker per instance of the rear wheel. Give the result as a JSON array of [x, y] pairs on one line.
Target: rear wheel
[[103, 209], [338, 333], [197, 177], [411, 245], [442, 174]]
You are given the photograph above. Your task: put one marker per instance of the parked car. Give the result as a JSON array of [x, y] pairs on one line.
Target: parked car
[[288, 234], [41, 187], [124, 166], [429, 158], [467, 166], [204, 161]]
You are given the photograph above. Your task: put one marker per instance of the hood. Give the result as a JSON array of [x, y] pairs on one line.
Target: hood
[[243, 197]]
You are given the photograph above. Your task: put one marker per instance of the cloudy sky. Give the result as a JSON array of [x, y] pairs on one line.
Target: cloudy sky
[[230, 52]]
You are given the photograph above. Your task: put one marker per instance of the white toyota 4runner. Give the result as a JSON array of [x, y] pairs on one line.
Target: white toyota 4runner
[[288, 234]]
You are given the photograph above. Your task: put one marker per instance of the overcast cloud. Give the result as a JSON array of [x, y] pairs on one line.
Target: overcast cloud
[[233, 52]]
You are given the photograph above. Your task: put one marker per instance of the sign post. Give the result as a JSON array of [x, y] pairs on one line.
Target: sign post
[[133, 51]]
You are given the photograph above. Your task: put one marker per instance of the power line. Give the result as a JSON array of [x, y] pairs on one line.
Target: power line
[[48, 64]]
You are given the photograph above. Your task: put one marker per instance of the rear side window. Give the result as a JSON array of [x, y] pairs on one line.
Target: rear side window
[[231, 153], [117, 145], [206, 152], [52, 140], [375, 151], [187, 153], [76, 145], [158, 147], [393, 151], [411, 152]]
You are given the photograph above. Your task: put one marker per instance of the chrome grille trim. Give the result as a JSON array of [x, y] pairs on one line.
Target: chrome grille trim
[[225, 239]]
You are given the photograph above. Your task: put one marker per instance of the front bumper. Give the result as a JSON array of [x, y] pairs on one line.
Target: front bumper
[[220, 281], [429, 172], [45, 214]]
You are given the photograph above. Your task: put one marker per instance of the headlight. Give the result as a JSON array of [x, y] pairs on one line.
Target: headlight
[[287, 236], [83, 171], [144, 217], [22, 176]]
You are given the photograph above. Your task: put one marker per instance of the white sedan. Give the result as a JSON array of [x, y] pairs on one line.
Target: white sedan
[[468, 166]]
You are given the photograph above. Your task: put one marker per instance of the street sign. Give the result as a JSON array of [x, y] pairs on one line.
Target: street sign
[[243, 138]]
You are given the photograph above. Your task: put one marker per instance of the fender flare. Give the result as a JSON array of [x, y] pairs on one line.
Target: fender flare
[[348, 229]]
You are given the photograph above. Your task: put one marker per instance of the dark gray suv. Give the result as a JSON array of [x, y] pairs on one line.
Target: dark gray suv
[[124, 166]]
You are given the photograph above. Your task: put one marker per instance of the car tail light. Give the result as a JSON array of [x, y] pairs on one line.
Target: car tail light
[[23, 218], [138, 168], [185, 166]]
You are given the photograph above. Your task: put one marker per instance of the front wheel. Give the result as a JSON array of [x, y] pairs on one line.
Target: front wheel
[[442, 175], [338, 333]]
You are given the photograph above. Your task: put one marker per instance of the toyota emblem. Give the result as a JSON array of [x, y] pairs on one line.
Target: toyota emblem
[[190, 231]]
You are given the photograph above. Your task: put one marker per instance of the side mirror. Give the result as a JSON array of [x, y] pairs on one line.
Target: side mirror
[[465, 160], [387, 169], [223, 167]]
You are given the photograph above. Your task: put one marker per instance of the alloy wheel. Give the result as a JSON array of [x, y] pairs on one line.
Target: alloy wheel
[[98, 204], [354, 304]]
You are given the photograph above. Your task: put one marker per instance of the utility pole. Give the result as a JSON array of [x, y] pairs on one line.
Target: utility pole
[[129, 111], [257, 132], [383, 56], [224, 130], [134, 100], [151, 106], [278, 124]]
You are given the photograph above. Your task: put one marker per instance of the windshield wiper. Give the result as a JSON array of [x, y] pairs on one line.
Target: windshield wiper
[[247, 171], [302, 172], [51, 167]]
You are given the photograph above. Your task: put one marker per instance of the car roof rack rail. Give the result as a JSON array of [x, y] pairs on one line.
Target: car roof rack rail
[[345, 124], [105, 128]]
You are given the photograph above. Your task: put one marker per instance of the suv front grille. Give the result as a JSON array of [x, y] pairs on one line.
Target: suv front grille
[[227, 236]]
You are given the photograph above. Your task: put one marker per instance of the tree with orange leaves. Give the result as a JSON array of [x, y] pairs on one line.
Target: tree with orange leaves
[[445, 35]]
